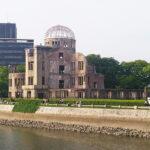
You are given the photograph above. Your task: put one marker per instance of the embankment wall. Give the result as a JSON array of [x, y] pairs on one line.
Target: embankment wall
[[135, 123], [95, 112]]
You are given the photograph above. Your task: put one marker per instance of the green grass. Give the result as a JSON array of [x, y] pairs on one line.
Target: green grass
[[26, 106], [113, 102], [23, 105]]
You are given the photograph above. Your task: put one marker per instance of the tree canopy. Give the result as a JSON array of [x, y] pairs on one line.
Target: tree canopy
[[125, 75], [20, 68]]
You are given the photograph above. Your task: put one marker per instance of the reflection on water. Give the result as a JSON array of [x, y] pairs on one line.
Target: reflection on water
[[35, 139]]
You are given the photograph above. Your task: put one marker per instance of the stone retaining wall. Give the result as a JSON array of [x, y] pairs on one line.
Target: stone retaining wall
[[96, 112]]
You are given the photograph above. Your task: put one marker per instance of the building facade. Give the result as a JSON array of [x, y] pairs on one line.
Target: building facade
[[8, 30], [56, 70], [12, 50]]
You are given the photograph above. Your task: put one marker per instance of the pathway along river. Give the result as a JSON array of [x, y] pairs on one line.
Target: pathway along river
[[35, 139]]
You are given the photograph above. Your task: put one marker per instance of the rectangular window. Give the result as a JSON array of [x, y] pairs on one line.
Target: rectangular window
[[22, 81], [73, 81], [80, 80], [28, 94], [95, 85], [16, 82], [61, 84], [80, 94], [80, 65], [43, 67], [72, 66], [10, 82], [30, 80], [43, 80], [50, 94], [9, 94], [30, 65], [88, 80], [61, 55], [57, 94], [61, 69], [41, 95], [30, 54]]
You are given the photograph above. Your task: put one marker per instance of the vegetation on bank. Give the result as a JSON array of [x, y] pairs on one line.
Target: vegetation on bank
[[109, 102], [26, 106]]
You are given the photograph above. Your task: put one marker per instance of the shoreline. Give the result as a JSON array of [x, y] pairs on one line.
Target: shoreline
[[102, 125], [76, 128]]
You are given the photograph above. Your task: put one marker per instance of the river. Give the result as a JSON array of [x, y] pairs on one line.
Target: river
[[34, 139]]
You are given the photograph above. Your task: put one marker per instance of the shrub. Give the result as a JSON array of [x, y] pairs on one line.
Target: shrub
[[26, 106]]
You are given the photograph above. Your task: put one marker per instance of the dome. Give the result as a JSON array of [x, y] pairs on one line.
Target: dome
[[60, 32]]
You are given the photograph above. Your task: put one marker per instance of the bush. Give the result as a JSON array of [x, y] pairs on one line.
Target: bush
[[26, 106]]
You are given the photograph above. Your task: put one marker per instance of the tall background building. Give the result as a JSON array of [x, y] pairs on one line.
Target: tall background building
[[12, 50], [8, 30]]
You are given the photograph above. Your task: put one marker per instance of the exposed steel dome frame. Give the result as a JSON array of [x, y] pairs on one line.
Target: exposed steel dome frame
[[59, 31]]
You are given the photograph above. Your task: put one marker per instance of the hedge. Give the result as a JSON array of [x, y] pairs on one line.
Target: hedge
[[112, 102]]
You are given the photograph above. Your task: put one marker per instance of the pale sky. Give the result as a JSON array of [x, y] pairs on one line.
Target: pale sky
[[111, 28]]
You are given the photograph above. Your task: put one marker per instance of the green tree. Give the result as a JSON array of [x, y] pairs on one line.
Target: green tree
[[125, 75], [20, 68], [3, 81], [134, 75], [109, 67]]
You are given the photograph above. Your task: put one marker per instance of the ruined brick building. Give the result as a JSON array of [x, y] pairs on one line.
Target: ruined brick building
[[56, 70]]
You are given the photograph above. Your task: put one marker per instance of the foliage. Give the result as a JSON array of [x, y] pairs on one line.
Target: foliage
[[20, 68], [134, 75], [113, 102], [26, 106], [109, 67], [3, 81], [125, 75]]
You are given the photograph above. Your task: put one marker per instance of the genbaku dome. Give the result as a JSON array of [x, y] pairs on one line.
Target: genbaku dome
[[56, 70]]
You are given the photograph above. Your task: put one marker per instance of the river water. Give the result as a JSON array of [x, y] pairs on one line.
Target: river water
[[34, 139]]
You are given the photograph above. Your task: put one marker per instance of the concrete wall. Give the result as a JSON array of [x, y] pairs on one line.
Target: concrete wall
[[96, 113], [7, 108], [88, 112]]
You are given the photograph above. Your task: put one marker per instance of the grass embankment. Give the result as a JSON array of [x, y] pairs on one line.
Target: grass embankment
[[26, 106]]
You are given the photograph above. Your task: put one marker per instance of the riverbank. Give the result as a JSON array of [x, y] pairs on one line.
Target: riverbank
[[76, 128], [123, 122]]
